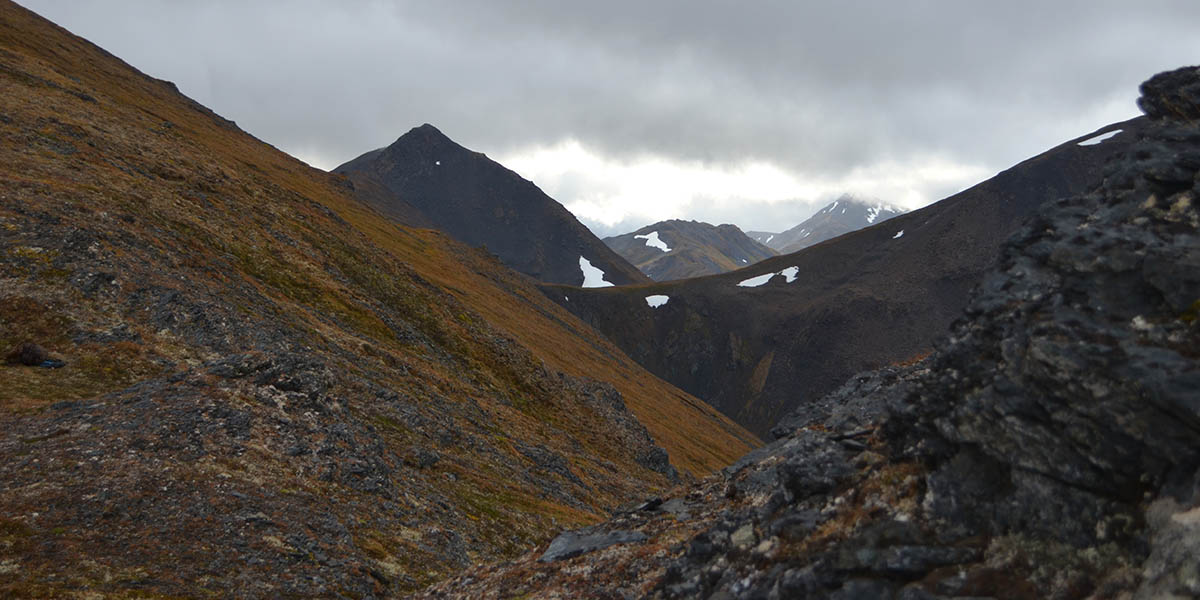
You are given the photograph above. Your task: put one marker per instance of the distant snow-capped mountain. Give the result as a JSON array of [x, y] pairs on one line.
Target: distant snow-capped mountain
[[842, 216]]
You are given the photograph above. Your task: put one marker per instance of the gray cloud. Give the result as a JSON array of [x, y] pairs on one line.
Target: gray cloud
[[819, 89]]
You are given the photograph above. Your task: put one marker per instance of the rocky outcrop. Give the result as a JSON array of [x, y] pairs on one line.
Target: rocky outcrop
[[1049, 448]]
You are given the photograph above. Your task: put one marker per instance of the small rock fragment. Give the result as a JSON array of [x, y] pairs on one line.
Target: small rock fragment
[[28, 354], [570, 544]]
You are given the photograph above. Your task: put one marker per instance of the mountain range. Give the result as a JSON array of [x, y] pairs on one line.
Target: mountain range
[[678, 249], [759, 342], [841, 216]]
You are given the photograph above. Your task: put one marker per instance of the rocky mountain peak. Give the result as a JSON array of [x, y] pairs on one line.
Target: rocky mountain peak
[[845, 214], [426, 179], [427, 137]]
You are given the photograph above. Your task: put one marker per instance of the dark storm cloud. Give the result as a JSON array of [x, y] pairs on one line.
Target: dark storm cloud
[[817, 88]]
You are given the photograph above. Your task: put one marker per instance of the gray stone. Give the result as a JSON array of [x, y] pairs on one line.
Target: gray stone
[[570, 544], [743, 537]]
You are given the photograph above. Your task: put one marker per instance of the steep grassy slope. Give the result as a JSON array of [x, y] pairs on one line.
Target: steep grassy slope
[[866, 299], [269, 387], [426, 176], [676, 249]]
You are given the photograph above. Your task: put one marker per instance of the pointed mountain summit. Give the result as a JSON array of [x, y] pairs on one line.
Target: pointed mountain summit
[[426, 179], [839, 217], [678, 249]]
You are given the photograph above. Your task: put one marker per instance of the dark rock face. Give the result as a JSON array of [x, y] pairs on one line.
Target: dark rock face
[[425, 179], [677, 249], [1050, 448]]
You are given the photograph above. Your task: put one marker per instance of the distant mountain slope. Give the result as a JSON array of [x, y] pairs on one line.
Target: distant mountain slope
[[866, 299], [430, 180], [271, 390], [677, 249], [841, 216]]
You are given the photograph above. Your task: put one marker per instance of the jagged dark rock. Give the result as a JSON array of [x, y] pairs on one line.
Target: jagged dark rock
[[1049, 448], [1172, 95]]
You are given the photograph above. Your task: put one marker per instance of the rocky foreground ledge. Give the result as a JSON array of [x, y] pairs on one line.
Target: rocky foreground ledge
[[1050, 448]]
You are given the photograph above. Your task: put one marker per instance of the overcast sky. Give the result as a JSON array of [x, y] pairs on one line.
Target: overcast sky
[[629, 112]]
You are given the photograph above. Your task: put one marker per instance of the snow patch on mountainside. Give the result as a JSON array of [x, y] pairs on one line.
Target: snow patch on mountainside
[[1092, 141], [657, 300], [789, 275], [653, 241], [874, 212], [756, 281], [593, 277]]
